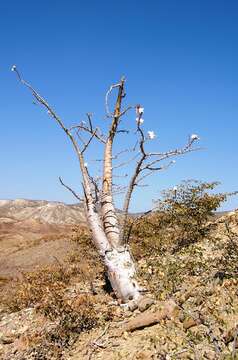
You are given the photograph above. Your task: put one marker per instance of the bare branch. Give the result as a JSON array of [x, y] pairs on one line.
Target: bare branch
[[109, 114], [164, 167], [96, 131], [58, 120], [95, 189], [70, 189], [89, 115], [149, 166], [126, 162], [116, 156], [89, 141], [122, 113], [120, 176], [123, 131]]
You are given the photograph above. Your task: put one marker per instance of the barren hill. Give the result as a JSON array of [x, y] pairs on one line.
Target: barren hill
[[50, 212], [35, 232]]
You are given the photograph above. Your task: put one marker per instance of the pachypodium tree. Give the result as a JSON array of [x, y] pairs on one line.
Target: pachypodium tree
[[109, 227]]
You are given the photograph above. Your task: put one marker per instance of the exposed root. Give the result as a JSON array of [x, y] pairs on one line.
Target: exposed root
[[169, 310]]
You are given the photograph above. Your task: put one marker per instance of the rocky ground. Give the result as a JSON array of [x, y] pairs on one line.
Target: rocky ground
[[63, 310]]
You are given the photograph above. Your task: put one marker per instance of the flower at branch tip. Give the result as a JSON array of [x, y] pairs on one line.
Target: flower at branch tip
[[13, 68], [151, 135], [86, 164], [139, 121], [139, 110], [194, 137], [175, 188], [173, 161]]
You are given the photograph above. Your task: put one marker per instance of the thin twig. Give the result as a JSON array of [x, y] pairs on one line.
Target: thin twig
[[94, 344], [70, 189]]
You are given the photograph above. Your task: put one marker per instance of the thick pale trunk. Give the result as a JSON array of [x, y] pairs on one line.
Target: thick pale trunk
[[122, 275], [99, 238], [119, 263], [110, 220]]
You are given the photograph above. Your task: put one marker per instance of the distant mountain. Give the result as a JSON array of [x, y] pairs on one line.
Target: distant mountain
[[45, 212]]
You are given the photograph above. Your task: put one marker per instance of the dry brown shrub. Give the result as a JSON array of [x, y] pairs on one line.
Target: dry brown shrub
[[47, 290], [64, 294], [69, 317], [34, 286]]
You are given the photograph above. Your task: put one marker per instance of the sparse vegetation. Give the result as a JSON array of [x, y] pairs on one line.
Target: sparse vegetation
[[52, 292], [195, 265], [182, 217]]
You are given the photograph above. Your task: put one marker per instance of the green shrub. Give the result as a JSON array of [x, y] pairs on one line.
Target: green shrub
[[182, 217]]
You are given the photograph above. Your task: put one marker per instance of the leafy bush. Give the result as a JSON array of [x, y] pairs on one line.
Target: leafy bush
[[228, 261], [182, 217]]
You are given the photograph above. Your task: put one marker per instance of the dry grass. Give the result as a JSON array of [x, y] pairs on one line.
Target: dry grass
[[200, 274], [62, 293]]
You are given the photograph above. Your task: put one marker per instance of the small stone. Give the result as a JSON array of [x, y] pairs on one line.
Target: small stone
[[7, 340], [132, 305], [125, 335], [145, 303]]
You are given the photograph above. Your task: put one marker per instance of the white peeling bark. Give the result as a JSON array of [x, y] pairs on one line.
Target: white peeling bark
[[99, 238], [119, 264], [122, 275]]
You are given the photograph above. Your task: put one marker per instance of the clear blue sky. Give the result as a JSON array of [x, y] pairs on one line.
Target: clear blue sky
[[180, 59]]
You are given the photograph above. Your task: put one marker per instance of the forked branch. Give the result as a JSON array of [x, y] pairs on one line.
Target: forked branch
[[147, 164], [44, 103]]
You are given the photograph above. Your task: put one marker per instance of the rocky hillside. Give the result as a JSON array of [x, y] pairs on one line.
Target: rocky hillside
[[33, 233], [63, 312], [50, 212], [55, 304]]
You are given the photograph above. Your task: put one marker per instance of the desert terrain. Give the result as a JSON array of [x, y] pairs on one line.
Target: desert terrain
[[47, 267], [29, 230]]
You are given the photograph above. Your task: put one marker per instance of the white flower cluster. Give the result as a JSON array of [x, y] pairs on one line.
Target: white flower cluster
[[194, 137], [139, 112], [151, 135], [139, 121], [13, 68]]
